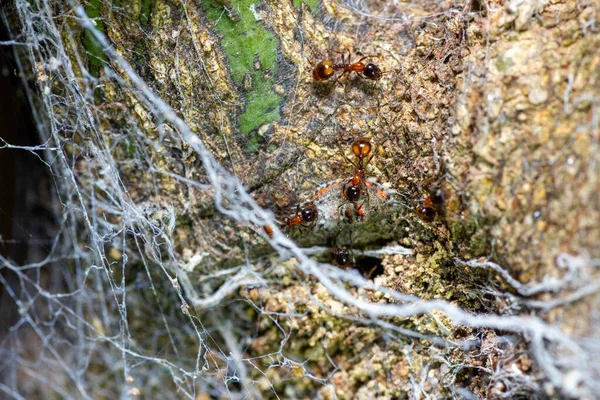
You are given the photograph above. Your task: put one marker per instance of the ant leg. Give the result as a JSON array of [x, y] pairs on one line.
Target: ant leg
[[338, 78], [341, 53], [369, 56], [347, 63], [289, 230], [369, 274], [349, 161], [358, 212], [368, 200], [346, 215], [352, 260]]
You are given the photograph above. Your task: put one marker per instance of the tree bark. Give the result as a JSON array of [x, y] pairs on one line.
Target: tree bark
[[489, 110]]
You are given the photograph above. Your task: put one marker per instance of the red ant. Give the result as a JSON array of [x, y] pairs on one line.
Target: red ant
[[326, 68], [342, 257], [431, 206], [352, 189], [425, 211], [305, 214], [268, 230], [356, 186]]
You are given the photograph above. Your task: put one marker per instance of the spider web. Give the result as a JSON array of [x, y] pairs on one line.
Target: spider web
[[134, 317]]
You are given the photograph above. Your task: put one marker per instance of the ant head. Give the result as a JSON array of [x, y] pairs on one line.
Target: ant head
[[361, 147], [372, 72], [342, 256]]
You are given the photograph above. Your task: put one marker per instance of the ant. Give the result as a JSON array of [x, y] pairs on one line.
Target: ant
[[425, 211], [268, 230], [305, 214], [356, 186], [352, 189], [342, 257], [326, 68], [431, 206]]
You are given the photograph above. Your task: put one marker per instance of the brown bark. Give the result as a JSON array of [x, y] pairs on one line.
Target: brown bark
[[492, 106]]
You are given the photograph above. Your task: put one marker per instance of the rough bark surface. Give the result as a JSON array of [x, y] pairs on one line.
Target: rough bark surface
[[491, 107]]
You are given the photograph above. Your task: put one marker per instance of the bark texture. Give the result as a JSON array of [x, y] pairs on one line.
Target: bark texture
[[492, 108]]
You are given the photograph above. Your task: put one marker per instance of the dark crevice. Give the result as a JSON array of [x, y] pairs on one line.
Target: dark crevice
[[25, 217], [369, 267]]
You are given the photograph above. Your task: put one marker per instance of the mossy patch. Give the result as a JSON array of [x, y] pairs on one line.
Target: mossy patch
[[145, 12], [252, 52], [313, 5], [96, 56]]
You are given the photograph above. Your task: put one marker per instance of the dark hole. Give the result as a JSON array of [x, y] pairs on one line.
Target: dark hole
[[235, 385], [369, 267], [479, 6]]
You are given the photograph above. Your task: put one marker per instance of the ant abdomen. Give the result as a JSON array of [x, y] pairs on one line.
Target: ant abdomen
[[323, 71], [352, 193]]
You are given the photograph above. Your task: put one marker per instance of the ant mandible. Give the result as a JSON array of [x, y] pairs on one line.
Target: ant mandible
[[305, 214], [325, 69]]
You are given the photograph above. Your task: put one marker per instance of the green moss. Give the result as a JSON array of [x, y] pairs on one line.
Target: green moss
[[95, 54], [479, 245], [458, 231], [262, 106], [473, 235], [130, 147], [250, 49], [138, 56], [145, 12], [313, 5]]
